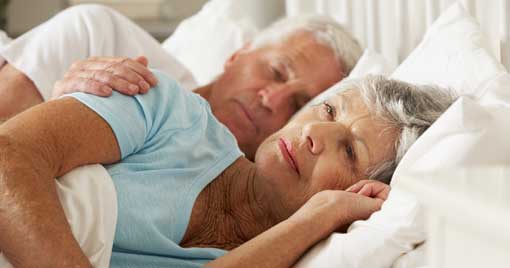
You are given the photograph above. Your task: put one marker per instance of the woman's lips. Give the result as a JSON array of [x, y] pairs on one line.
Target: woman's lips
[[286, 149]]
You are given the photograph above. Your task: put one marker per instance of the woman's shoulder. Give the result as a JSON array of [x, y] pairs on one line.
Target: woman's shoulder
[[168, 87], [170, 102]]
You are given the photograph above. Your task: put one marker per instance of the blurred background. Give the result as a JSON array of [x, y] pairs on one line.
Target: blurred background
[[390, 27], [159, 17]]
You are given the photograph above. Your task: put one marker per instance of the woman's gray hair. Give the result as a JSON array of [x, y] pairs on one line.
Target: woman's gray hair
[[410, 108], [326, 31]]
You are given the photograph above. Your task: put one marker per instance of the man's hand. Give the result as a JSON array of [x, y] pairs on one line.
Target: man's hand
[[101, 75]]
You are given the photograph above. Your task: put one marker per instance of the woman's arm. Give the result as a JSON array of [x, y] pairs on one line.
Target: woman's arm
[[34, 149], [282, 245]]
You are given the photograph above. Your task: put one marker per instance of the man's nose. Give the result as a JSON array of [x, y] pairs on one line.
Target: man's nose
[[276, 96], [319, 136]]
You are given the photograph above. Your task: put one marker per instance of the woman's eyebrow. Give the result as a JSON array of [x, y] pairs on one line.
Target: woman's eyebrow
[[342, 103], [362, 140], [345, 106]]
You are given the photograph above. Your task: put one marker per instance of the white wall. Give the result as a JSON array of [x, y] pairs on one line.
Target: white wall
[[395, 27], [25, 14]]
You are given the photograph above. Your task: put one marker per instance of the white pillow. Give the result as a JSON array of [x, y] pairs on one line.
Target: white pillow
[[206, 40], [370, 62], [453, 54]]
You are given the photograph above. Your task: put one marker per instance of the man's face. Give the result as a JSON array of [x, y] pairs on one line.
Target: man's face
[[261, 89]]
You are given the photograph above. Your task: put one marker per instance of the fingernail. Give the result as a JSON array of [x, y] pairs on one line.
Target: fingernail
[[144, 85], [133, 88], [105, 89], [155, 79]]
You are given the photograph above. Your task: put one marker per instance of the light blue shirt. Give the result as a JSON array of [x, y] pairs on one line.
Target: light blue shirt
[[172, 146]]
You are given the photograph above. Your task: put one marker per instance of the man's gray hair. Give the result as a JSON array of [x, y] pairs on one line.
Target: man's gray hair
[[410, 108], [326, 31]]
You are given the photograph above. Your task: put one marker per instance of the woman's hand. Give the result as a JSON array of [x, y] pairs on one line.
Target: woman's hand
[[283, 244], [336, 210], [370, 188], [101, 75]]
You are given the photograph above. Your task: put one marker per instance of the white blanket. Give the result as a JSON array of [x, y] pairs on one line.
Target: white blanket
[[88, 197], [47, 51]]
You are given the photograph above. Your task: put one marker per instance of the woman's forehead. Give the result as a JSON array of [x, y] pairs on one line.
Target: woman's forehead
[[378, 133]]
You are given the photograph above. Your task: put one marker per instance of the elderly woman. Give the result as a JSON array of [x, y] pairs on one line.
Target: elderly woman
[[185, 191]]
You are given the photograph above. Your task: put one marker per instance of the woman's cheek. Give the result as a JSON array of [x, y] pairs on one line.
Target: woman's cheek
[[326, 175]]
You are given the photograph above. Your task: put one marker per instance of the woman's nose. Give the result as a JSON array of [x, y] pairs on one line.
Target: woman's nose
[[314, 139], [314, 146], [321, 135]]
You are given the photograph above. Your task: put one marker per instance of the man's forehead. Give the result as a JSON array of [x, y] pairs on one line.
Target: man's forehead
[[312, 64]]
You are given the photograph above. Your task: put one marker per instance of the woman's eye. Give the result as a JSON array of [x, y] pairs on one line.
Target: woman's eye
[[330, 110]]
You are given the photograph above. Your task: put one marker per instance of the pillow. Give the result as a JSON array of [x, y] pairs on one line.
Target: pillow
[[370, 62], [218, 18], [452, 54]]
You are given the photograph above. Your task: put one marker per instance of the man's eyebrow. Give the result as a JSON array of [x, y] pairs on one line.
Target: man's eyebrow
[[289, 66]]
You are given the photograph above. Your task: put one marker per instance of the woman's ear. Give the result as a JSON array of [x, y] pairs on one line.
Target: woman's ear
[[236, 54]]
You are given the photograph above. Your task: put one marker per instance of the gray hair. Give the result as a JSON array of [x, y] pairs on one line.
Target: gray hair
[[410, 108], [326, 31]]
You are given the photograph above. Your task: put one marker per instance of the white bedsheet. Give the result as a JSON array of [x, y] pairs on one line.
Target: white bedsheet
[[88, 197]]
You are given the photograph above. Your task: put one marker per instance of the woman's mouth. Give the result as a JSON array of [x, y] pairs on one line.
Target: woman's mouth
[[286, 149]]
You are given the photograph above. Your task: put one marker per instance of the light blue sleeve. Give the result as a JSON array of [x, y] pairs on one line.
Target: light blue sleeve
[[136, 119]]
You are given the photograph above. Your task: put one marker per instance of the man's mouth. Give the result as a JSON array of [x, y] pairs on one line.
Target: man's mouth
[[287, 152], [246, 114]]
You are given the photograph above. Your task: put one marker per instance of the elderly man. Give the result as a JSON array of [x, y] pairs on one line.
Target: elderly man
[[262, 86]]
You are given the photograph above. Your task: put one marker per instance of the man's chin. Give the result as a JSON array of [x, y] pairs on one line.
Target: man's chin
[[249, 150]]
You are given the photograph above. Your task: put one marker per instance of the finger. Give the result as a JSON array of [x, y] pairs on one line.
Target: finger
[[143, 71], [357, 186], [125, 72], [375, 190], [383, 193], [78, 84], [367, 190], [380, 190], [138, 75], [109, 79], [142, 60]]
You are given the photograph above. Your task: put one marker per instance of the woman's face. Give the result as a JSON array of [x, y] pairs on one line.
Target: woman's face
[[327, 146]]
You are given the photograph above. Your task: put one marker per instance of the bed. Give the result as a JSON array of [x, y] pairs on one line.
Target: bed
[[405, 34], [465, 197]]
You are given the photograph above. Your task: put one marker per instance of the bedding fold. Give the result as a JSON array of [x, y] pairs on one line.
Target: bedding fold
[[88, 197]]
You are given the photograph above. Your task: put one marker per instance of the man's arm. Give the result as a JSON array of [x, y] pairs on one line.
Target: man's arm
[[96, 75], [34, 149], [17, 92]]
